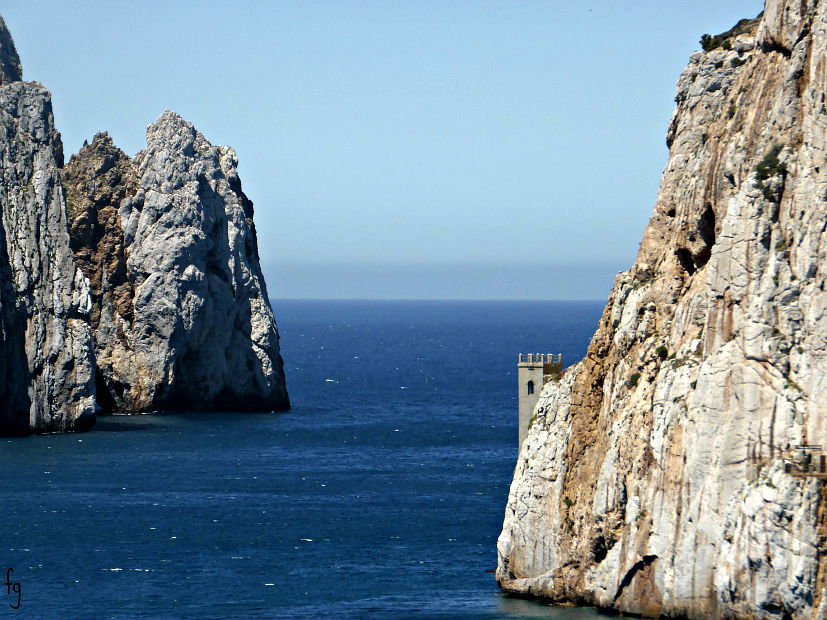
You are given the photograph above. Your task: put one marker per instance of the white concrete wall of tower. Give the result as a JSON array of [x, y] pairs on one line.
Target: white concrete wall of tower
[[534, 370]]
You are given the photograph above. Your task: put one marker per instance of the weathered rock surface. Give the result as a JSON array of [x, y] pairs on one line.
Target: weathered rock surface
[[180, 310], [634, 488], [46, 357]]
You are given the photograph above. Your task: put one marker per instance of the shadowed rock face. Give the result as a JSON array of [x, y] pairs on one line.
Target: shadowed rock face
[[10, 68], [46, 357], [96, 182], [14, 370], [633, 489], [180, 310]]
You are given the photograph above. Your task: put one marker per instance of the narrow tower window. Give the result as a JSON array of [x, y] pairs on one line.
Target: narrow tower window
[[531, 387]]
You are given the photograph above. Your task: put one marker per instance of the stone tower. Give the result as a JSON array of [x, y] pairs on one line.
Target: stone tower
[[534, 370]]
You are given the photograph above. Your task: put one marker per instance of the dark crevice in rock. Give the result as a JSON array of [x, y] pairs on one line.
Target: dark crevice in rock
[[706, 226], [776, 609], [14, 380], [599, 549], [685, 259], [775, 211], [84, 423], [775, 46], [706, 230], [601, 545], [105, 399], [646, 560]]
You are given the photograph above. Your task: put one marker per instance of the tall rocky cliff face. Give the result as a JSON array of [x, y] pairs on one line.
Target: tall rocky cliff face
[[46, 357], [179, 305], [636, 487]]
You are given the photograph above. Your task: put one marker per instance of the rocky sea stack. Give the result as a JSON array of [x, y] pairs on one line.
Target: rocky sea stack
[[653, 480], [155, 301], [179, 306]]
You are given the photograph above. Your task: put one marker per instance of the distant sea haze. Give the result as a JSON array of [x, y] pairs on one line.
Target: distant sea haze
[[518, 280], [380, 494]]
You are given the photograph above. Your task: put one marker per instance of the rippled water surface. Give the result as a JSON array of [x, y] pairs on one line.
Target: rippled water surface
[[380, 495]]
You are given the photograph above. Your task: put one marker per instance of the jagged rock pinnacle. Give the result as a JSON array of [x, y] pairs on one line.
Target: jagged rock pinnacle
[[10, 67], [180, 310]]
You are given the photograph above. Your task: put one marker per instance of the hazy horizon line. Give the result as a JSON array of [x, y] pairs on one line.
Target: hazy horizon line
[[434, 299]]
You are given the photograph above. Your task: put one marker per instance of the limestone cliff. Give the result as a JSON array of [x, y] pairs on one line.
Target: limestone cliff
[[46, 358], [651, 480], [180, 310]]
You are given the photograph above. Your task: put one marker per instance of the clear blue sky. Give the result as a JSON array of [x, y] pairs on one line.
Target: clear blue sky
[[419, 149]]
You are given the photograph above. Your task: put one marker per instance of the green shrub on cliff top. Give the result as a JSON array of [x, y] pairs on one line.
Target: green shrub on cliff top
[[710, 42]]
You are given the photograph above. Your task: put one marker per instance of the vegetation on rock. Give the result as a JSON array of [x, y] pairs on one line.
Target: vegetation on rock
[[710, 42]]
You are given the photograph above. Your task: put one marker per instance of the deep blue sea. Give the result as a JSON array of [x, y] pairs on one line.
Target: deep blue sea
[[380, 495]]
